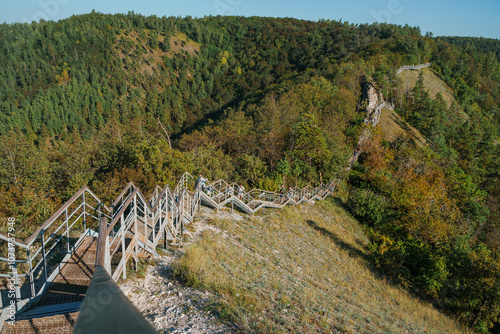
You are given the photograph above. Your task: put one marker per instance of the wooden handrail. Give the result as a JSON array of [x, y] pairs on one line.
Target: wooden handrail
[[106, 309], [115, 202], [56, 214], [17, 242], [101, 242]]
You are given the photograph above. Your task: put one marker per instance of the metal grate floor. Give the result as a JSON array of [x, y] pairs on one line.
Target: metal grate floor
[[56, 324]]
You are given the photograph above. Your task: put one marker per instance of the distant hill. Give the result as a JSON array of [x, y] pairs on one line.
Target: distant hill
[[486, 45]]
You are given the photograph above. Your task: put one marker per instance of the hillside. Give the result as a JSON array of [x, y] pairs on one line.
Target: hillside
[[395, 127], [486, 45], [304, 269], [100, 100], [434, 85], [146, 52]]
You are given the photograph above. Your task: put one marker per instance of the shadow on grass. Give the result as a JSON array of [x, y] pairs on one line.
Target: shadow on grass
[[338, 201], [354, 252], [400, 122]]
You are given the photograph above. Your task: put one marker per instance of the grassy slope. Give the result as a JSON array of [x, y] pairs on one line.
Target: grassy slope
[[151, 59], [394, 126], [302, 269], [433, 84]]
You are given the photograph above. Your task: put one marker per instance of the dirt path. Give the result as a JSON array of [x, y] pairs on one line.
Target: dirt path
[[168, 304]]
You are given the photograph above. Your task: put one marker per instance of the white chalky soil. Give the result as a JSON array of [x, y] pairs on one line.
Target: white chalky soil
[[170, 306]]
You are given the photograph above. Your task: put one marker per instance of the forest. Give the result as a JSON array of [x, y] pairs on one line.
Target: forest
[[485, 45], [101, 100]]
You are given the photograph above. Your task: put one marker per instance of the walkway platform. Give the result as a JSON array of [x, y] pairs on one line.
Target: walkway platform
[[57, 310]]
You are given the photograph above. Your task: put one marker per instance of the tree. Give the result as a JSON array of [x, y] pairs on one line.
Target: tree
[[309, 145]]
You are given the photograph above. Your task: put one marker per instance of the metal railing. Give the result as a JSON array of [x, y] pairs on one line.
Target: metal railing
[[37, 259], [412, 67], [138, 224], [105, 308], [133, 223]]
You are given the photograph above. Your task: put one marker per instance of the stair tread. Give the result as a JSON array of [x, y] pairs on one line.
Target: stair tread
[[71, 284], [54, 324], [49, 310]]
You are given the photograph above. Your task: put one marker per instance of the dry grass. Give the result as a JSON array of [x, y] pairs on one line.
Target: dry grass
[[148, 58], [180, 42], [434, 85], [303, 269], [394, 126]]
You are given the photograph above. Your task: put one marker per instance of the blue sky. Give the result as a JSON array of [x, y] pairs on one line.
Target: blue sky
[[445, 17]]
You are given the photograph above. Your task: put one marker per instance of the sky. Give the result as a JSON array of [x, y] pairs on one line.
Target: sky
[[479, 18]]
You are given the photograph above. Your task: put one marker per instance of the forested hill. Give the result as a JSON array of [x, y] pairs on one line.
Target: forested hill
[[101, 100], [486, 45], [81, 72]]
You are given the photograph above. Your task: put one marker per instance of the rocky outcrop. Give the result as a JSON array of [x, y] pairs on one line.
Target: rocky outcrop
[[371, 98]]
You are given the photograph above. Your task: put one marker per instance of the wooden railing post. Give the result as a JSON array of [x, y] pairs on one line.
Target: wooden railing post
[[103, 256]]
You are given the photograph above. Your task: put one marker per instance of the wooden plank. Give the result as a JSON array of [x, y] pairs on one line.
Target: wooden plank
[[101, 242]]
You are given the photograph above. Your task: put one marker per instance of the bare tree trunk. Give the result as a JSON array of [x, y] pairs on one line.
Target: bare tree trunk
[[167, 135], [11, 159]]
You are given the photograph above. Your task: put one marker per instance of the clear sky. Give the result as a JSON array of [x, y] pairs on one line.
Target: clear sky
[[441, 17]]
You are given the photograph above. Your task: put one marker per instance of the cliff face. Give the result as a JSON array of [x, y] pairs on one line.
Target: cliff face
[[371, 98]]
